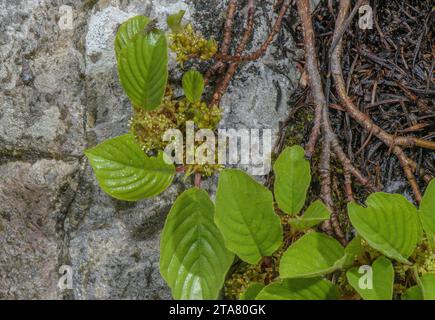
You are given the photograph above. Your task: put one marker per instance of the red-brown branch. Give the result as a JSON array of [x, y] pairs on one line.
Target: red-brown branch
[[322, 112], [228, 27], [311, 65], [228, 34], [262, 50], [225, 81]]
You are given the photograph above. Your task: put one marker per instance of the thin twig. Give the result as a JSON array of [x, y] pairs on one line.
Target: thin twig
[[329, 137], [225, 81], [311, 65], [228, 34], [262, 50], [408, 165]]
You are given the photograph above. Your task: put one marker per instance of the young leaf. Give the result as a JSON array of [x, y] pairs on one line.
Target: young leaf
[[194, 260], [316, 213], [252, 291], [174, 21], [292, 179], [127, 31], [125, 172], [312, 255], [413, 293], [193, 85], [300, 289], [245, 216], [427, 286], [389, 224], [381, 285], [427, 211], [143, 69]]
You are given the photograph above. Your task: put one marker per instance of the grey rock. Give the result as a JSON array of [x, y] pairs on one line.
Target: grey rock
[[32, 201], [41, 82], [114, 245], [258, 96]]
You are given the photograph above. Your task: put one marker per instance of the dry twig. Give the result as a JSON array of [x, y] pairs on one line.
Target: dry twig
[[408, 165]]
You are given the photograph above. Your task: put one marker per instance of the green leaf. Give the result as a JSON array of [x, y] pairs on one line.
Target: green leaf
[[312, 255], [245, 216], [380, 287], [300, 289], [252, 291], [143, 69], [316, 213], [125, 172], [427, 286], [353, 250], [194, 260], [193, 85], [174, 21], [389, 224], [427, 211], [127, 31], [413, 293], [292, 179]]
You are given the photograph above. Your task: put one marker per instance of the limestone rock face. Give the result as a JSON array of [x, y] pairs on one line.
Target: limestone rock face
[[33, 198], [59, 93]]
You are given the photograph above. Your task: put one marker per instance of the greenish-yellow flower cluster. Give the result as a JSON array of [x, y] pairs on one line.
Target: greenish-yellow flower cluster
[[425, 258], [204, 116], [149, 127], [240, 280], [190, 44]]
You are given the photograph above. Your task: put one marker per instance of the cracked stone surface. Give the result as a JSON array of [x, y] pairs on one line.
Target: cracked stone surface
[[59, 93], [33, 198]]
